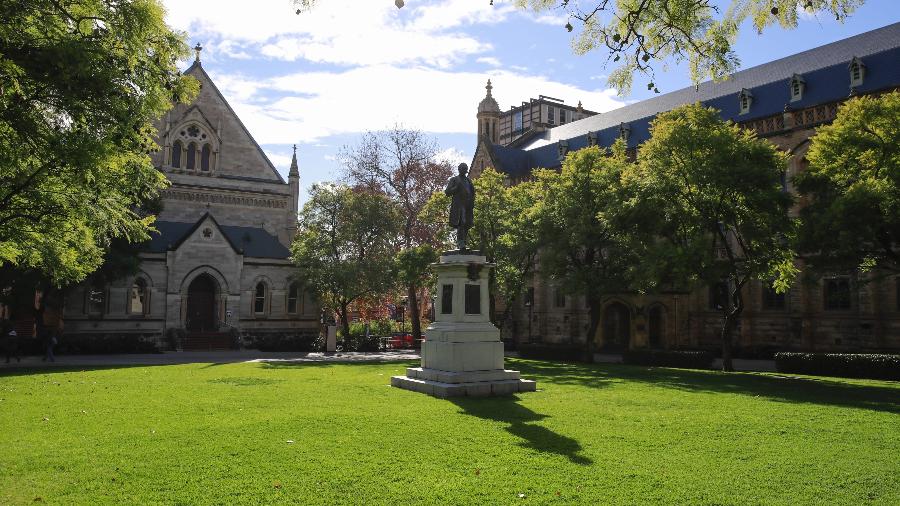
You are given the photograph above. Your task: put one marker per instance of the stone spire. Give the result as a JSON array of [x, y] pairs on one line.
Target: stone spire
[[295, 171], [488, 104]]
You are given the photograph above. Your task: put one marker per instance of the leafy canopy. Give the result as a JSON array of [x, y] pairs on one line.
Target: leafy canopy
[[852, 187], [345, 246], [639, 34], [80, 85]]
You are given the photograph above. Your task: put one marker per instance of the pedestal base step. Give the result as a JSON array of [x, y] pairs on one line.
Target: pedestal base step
[[440, 376], [471, 389]]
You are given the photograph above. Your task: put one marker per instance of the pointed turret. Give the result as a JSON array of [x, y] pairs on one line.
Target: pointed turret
[[294, 182], [489, 117]]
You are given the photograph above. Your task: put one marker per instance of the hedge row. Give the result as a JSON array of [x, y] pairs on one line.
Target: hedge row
[[669, 358], [282, 341], [847, 365], [562, 352], [99, 344]]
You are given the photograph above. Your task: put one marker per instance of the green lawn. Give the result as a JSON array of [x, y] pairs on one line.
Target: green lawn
[[208, 433]]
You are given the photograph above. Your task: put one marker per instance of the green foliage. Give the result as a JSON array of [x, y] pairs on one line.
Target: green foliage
[[345, 246], [284, 341], [103, 344], [846, 365], [80, 85], [412, 265], [852, 218], [669, 358], [560, 352], [582, 228], [639, 34], [708, 201]]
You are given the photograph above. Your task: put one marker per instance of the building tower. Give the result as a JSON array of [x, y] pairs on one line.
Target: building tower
[[294, 182], [489, 117]]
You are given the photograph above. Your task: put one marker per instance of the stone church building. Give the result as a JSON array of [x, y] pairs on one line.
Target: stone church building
[[783, 101], [219, 263]]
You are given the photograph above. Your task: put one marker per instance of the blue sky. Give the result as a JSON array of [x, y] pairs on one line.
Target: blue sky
[[322, 78]]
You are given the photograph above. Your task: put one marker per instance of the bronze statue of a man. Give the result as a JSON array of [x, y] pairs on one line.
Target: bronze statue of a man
[[462, 207]]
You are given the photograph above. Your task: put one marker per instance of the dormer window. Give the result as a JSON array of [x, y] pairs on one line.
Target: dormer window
[[624, 131], [563, 147], [745, 100], [592, 138], [798, 86], [857, 72]]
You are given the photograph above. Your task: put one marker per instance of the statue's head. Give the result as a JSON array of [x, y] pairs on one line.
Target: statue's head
[[463, 169]]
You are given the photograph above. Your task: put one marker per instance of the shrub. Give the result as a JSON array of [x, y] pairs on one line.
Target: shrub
[[359, 342], [285, 341], [562, 352], [90, 344], [847, 365], [669, 358]]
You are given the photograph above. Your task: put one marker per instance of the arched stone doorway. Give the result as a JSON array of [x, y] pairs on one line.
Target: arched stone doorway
[[655, 326], [616, 326], [201, 304]]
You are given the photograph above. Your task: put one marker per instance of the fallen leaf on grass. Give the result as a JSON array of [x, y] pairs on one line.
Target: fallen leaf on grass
[[290, 441], [477, 472], [46, 419], [276, 484], [521, 496]]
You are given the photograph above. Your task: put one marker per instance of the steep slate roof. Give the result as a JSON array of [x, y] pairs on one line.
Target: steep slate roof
[[249, 241], [825, 70]]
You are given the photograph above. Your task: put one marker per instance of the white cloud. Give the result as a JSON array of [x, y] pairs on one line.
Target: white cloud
[[489, 60], [454, 156], [313, 105]]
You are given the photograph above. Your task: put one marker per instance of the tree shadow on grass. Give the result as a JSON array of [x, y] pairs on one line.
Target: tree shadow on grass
[[773, 386], [521, 424]]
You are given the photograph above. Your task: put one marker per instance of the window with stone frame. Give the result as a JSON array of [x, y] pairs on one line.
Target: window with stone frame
[[191, 156], [176, 154], [837, 293], [139, 298], [294, 298], [772, 300], [559, 298], [260, 298], [551, 115], [204, 158]]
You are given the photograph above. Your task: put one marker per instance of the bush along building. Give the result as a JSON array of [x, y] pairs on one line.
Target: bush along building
[[218, 266], [782, 101]]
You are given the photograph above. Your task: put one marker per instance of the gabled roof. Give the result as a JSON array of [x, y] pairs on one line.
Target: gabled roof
[[196, 66], [248, 241], [823, 67]]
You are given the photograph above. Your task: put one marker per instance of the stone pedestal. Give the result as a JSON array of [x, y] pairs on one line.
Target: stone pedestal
[[462, 353]]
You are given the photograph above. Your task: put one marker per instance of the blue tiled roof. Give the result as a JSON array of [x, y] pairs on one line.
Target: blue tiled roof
[[251, 241], [824, 69]]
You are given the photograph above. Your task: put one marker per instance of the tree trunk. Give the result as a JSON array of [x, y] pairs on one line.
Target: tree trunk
[[345, 323], [414, 320], [594, 313], [727, 328]]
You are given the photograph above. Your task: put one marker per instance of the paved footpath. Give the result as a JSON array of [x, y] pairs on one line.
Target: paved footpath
[[203, 357]]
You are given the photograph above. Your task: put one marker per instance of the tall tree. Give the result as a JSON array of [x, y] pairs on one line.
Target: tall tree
[[404, 165], [852, 188], [80, 84], [710, 199], [639, 35], [583, 241], [505, 233], [345, 246]]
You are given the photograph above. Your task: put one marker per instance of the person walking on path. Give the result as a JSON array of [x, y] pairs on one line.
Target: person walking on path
[[49, 341], [12, 342]]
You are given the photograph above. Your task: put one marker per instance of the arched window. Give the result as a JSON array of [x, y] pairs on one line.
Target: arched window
[[138, 300], [191, 156], [293, 298], [259, 299], [96, 300], [176, 154], [204, 158]]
